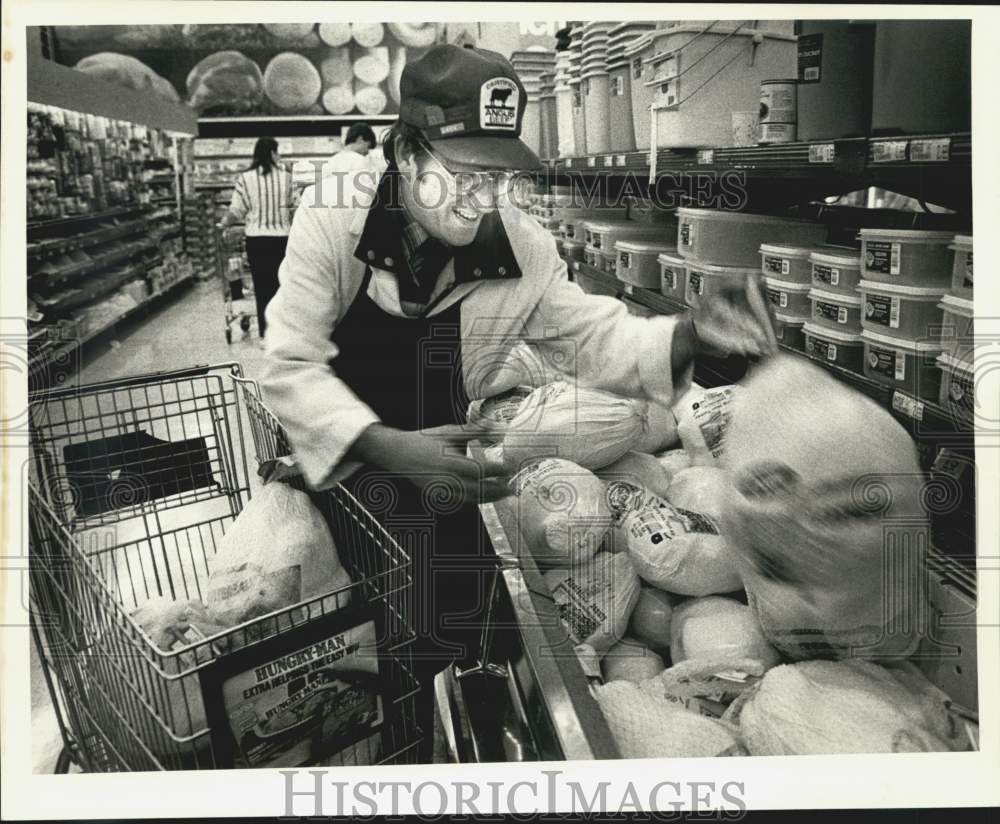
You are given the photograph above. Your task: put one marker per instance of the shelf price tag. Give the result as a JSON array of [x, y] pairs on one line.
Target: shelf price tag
[[888, 151], [609, 161], [821, 153], [576, 266], [569, 162], [629, 289], [908, 406], [591, 161], [620, 160], [935, 150], [706, 157]]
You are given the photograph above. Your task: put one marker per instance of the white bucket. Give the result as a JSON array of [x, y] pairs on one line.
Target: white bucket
[[835, 310], [958, 386], [789, 298], [843, 349], [907, 257], [906, 312], [961, 273], [958, 330], [835, 272], [901, 364], [789, 263], [596, 103]]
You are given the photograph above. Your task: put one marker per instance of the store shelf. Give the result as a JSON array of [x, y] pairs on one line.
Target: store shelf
[[97, 264], [68, 348], [56, 246], [53, 225], [920, 417], [936, 167]]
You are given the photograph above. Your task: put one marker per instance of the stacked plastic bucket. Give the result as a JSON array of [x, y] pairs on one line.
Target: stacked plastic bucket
[[530, 65], [621, 38], [594, 86], [564, 106], [575, 64], [549, 128]]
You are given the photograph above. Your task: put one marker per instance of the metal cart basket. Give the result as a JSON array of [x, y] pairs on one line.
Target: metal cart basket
[[237, 285], [132, 485]]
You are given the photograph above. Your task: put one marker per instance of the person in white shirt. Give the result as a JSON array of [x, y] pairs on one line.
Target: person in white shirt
[[264, 200], [354, 157], [399, 302]]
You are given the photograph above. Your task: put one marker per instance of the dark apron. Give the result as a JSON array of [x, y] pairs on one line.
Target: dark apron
[[409, 371]]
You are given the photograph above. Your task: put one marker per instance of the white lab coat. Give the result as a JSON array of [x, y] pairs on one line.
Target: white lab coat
[[592, 340]]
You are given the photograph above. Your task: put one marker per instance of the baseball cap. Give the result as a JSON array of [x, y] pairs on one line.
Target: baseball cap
[[469, 103]]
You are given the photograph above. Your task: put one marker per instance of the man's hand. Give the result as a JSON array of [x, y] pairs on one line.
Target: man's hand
[[734, 322], [434, 456]]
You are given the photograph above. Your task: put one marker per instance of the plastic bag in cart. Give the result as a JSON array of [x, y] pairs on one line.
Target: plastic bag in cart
[[277, 552]]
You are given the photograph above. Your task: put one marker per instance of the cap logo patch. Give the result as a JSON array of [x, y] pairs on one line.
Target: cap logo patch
[[498, 102]]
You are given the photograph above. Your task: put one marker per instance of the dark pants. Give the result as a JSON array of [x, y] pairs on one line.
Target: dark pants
[[265, 255]]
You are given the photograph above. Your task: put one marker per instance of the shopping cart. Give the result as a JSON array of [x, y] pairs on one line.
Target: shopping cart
[[237, 286], [132, 485]]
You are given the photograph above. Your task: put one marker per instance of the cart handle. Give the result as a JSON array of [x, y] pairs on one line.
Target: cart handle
[[137, 380]]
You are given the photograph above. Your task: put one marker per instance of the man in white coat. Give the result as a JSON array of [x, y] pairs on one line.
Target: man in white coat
[[398, 304]]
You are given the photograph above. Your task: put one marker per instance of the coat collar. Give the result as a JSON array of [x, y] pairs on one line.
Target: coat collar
[[489, 257]]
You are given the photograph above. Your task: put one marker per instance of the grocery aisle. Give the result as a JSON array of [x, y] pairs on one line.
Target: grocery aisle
[[185, 332]]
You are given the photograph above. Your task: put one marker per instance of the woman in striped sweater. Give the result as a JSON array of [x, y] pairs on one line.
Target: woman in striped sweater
[[264, 200]]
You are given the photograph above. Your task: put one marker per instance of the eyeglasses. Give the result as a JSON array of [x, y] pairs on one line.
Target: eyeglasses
[[497, 182]]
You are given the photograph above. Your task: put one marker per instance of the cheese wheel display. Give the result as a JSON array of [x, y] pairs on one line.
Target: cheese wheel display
[[335, 34], [291, 82], [372, 65]]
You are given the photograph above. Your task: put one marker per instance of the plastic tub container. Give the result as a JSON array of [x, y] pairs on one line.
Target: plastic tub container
[[705, 280], [638, 262], [957, 393], [789, 263], [789, 298], [673, 275], [704, 76], [835, 310], [905, 312], [596, 103], [788, 331], [604, 234], [620, 107], [835, 78], [639, 55], [907, 256], [835, 272], [608, 261], [842, 349], [735, 238], [921, 77], [961, 272], [958, 326], [572, 249], [909, 366]]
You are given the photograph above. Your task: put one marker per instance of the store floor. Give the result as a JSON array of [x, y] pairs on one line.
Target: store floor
[[186, 332]]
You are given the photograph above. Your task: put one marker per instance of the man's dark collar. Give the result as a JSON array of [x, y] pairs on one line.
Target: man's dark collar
[[488, 257]]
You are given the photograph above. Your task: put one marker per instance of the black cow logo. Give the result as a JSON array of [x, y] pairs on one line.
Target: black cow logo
[[499, 97]]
